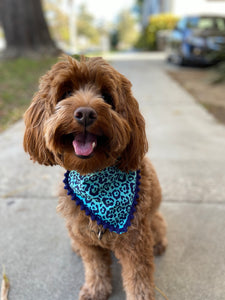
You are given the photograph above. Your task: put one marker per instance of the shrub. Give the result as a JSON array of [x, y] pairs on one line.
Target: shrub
[[218, 73], [218, 70], [148, 38]]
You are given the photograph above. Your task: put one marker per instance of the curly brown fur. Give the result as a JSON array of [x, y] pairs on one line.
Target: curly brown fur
[[118, 129]]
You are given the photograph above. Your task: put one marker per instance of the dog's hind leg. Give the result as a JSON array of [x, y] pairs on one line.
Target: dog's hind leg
[[97, 273], [158, 227]]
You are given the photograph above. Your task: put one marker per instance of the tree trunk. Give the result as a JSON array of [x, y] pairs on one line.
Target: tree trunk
[[25, 28]]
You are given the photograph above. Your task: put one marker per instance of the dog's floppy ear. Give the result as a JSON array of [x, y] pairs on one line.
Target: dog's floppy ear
[[34, 142], [137, 147]]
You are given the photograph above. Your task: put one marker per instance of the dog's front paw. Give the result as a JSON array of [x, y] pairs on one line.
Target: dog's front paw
[[160, 247], [75, 248], [93, 293]]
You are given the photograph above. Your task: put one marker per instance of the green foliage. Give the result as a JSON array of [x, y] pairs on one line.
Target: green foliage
[[18, 82], [217, 70], [127, 30], [156, 23], [85, 25], [76, 56], [58, 21], [219, 73], [139, 6], [140, 2], [114, 39]]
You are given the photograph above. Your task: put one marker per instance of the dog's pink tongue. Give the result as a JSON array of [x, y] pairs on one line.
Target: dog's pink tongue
[[84, 144]]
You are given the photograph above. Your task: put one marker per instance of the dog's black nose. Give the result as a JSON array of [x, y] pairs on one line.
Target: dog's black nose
[[85, 115]]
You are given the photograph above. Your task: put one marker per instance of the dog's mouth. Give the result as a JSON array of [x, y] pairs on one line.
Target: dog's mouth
[[84, 144]]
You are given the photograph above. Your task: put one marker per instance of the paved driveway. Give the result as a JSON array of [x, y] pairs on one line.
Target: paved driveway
[[187, 147]]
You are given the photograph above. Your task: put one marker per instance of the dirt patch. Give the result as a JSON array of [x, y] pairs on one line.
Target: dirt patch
[[198, 84]]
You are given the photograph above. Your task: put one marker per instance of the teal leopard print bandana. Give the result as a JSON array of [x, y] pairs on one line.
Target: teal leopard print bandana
[[108, 196]]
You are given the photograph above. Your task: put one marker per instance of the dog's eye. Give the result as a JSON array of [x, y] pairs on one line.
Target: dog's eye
[[108, 99], [67, 94]]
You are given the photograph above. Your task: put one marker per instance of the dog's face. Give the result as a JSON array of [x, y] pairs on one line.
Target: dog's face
[[85, 118]]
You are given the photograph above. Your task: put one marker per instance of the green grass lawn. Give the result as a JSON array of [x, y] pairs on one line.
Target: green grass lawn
[[18, 82]]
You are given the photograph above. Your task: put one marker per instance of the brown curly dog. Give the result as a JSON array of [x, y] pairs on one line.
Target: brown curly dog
[[85, 119]]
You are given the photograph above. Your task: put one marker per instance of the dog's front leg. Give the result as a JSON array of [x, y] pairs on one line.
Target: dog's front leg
[[135, 253], [97, 273]]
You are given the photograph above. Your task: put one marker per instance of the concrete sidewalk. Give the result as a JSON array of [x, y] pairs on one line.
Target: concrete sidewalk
[[187, 147]]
